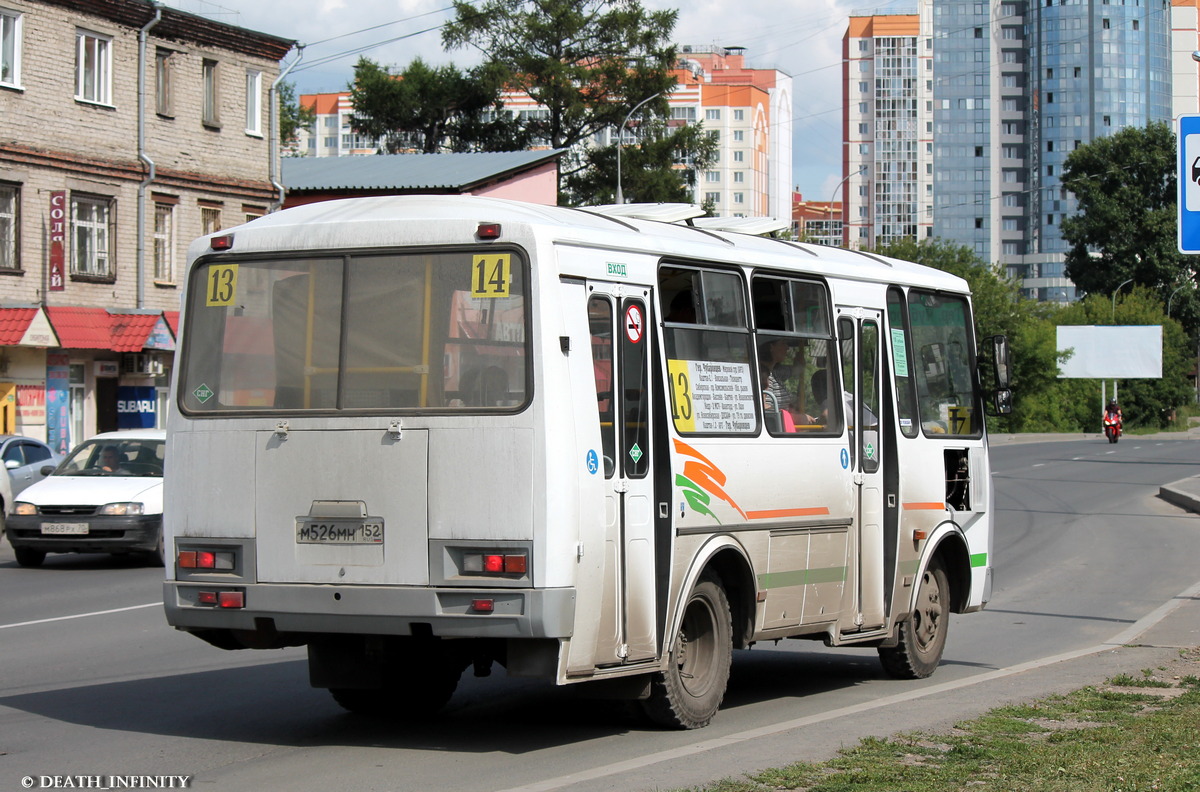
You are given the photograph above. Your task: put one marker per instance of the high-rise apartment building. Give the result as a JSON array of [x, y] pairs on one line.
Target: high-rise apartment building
[[887, 149], [1012, 87], [748, 110]]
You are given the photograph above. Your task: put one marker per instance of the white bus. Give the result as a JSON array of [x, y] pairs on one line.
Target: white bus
[[421, 434]]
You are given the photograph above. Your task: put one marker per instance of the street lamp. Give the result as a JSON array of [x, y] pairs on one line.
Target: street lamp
[[1172, 297], [862, 171], [1114, 310], [621, 134]]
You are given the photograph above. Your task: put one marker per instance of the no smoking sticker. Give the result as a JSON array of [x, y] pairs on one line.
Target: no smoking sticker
[[634, 324]]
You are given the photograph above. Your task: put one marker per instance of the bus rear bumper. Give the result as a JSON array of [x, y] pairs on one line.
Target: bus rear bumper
[[374, 610]]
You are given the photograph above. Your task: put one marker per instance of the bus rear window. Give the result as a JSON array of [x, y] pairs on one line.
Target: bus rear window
[[419, 331]]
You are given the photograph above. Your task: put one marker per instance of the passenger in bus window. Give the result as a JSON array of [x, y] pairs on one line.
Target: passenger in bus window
[[771, 357]]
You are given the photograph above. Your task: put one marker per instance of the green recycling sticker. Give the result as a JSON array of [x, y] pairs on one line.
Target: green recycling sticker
[[635, 453], [203, 393], [870, 450]]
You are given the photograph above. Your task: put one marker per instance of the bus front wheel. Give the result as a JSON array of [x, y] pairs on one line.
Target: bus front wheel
[[688, 693], [923, 636]]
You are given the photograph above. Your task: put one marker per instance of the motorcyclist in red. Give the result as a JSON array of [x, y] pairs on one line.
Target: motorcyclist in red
[[1113, 420]]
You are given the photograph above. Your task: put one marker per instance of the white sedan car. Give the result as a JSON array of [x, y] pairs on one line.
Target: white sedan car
[[106, 497]]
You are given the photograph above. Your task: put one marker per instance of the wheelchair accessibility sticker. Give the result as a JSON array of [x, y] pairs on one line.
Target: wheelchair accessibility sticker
[[593, 462]]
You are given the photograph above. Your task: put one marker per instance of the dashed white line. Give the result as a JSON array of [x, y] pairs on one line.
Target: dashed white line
[[81, 615]]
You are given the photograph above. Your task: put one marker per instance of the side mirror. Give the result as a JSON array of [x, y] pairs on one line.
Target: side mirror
[[996, 378], [47, 470], [12, 464]]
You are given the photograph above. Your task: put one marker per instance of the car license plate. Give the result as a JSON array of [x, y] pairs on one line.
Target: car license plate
[[64, 528], [339, 532]]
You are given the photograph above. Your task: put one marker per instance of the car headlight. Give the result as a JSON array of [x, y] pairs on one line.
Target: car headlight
[[21, 507], [121, 509]]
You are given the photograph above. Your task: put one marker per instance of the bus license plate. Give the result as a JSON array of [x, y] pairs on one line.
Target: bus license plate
[[64, 528], [339, 532]]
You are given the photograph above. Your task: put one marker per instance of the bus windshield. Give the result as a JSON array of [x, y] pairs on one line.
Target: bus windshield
[[437, 331]]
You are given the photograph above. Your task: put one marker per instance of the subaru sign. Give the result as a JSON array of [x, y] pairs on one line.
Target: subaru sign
[[137, 407]]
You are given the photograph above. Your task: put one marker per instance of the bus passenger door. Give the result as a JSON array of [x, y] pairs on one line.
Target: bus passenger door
[[620, 326], [859, 341]]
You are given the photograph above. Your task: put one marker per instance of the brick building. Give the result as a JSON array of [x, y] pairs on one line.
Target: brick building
[[126, 130]]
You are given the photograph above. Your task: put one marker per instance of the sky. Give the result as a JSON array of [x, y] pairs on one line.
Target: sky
[[802, 38]]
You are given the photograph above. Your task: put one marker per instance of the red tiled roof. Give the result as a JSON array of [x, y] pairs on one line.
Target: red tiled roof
[[172, 318], [80, 328], [13, 324], [99, 328], [130, 331]]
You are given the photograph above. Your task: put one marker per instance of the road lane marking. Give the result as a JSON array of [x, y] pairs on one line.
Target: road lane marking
[[82, 615], [1137, 628]]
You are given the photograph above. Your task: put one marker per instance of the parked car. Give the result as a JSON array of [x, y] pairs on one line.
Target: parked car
[[105, 497], [25, 458]]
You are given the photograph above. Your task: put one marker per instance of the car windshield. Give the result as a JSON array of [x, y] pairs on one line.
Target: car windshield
[[115, 457]]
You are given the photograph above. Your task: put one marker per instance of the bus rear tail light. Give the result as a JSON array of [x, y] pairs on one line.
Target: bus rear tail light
[[217, 560], [483, 605], [495, 563], [222, 599]]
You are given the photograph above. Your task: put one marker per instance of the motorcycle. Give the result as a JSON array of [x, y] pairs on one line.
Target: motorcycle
[[1112, 427]]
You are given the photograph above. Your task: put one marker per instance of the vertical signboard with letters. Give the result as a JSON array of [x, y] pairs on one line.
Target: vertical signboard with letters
[[58, 237]]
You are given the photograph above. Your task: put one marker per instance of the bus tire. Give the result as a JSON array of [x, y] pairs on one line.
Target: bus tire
[[923, 635], [688, 693], [419, 681]]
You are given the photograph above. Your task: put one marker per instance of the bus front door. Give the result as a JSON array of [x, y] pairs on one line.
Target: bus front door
[[858, 337], [619, 316]]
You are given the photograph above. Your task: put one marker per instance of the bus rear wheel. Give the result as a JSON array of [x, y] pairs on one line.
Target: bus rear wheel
[[688, 693], [419, 677], [923, 636]]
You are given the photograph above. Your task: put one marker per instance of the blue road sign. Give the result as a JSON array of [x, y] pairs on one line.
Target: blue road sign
[[1189, 183]]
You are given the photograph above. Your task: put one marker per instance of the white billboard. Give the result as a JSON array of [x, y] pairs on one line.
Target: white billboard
[[1111, 351]]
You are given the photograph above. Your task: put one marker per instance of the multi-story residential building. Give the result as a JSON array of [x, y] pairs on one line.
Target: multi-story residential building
[[129, 129], [748, 110], [1185, 71], [887, 149], [1013, 87]]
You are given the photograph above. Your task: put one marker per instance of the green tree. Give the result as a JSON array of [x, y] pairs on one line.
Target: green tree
[[292, 116], [587, 62], [1001, 310], [687, 150], [1126, 225], [430, 108]]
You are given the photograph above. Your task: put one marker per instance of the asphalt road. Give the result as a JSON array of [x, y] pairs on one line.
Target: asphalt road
[[93, 682]]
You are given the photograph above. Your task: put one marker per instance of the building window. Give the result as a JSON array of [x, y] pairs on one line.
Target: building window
[[93, 67], [253, 102], [10, 201], [739, 156], [739, 177], [91, 229], [10, 47], [712, 198], [712, 177], [739, 115], [164, 242], [712, 114], [210, 220], [1104, 23], [863, 129], [164, 94], [210, 115], [739, 197], [738, 136]]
